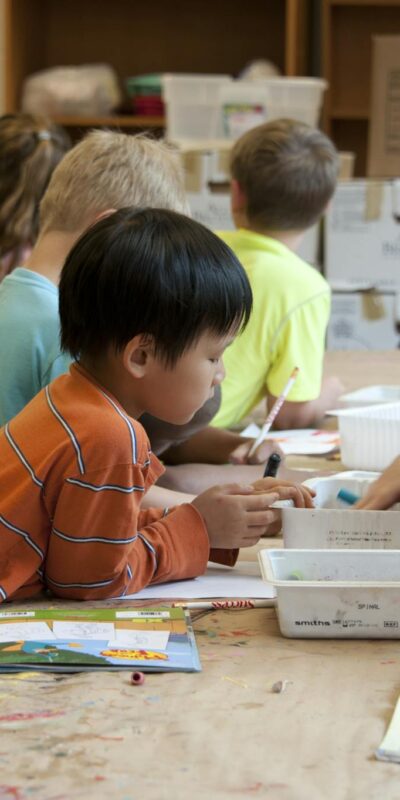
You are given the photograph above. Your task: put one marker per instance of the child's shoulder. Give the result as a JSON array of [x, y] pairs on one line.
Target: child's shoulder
[[26, 295], [103, 431]]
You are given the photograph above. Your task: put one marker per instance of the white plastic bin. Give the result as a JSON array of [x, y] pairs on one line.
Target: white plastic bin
[[353, 594], [371, 395], [332, 524], [370, 436], [245, 104], [192, 105]]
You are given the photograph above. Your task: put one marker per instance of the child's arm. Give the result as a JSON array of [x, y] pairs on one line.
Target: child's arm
[[160, 497], [309, 413], [384, 492], [102, 546], [217, 446]]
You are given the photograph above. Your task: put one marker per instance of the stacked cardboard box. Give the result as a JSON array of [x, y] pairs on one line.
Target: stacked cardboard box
[[362, 227]]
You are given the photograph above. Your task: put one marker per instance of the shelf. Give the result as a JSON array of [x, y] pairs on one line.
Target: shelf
[[377, 3], [347, 29], [110, 121], [349, 113]]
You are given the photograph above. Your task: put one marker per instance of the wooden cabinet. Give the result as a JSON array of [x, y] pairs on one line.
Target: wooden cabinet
[[347, 29], [209, 36]]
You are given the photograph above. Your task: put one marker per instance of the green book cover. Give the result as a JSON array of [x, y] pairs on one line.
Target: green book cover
[[62, 640]]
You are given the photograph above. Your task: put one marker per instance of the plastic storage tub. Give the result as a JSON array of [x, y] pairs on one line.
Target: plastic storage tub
[[245, 104], [353, 594], [371, 395], [192, 105], [333, 524], [370, 436]]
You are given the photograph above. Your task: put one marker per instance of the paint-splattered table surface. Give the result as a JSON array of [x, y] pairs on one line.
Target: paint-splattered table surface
[[222, 733]]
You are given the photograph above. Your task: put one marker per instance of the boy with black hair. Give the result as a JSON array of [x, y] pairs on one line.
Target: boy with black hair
[[149, 300]]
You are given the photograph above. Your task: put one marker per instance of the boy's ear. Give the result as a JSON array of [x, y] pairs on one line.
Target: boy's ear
[[136, 355], [102, 215], [238, 197]]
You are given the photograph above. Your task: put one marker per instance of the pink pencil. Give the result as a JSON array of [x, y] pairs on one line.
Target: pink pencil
[[274, 412]]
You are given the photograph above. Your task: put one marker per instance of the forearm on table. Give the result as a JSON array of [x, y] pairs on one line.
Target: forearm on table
[[309, 413], [208, 446], [300, 415], [159, 497]]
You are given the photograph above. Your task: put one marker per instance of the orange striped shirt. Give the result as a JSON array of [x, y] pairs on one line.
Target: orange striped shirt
[[73, 470]]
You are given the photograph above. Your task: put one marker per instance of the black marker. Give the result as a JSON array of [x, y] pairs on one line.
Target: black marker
[[272, 466]]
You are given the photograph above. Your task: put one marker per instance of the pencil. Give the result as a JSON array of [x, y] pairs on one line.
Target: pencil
[[274, 412], [225, 604]]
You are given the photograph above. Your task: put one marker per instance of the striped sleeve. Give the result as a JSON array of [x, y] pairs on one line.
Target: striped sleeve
[[98, 549]]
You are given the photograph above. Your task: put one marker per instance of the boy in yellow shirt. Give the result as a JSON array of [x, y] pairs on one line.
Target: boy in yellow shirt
[[283, 176]]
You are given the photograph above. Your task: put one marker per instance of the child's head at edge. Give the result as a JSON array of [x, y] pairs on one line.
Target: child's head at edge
[[30, 148], [284, 173], [149, 299]]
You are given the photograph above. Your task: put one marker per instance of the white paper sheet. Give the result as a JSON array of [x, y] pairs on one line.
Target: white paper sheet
[[243, 580], [25, 632], [83, 630], [140, 640], [303, 441]]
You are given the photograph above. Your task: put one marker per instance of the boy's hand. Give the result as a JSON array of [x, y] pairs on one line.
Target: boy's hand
[[384, 492], [240, 455], [236, 516], [301, 495]]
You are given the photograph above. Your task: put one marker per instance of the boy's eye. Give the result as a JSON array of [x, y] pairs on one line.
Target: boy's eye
[[214, 360]]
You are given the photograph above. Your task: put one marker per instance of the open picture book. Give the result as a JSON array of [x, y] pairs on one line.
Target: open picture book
[[61, 640]]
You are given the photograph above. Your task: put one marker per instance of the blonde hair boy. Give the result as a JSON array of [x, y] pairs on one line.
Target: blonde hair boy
[[104, 171], [111, 170]]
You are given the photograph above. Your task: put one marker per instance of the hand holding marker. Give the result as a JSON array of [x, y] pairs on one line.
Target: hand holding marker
[[274, 411]]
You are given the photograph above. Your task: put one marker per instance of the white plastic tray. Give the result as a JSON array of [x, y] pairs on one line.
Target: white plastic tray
[[370, 436], [353, 594], [371, 395], [333, 524]]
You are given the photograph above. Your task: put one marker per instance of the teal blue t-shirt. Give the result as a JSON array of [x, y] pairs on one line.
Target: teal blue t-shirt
[[30, 355]]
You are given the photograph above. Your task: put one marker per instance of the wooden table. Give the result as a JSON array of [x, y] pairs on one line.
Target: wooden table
[[222, 733]]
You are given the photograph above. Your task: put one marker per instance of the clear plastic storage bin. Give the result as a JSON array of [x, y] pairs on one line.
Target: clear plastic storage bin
[[192, 105], [370, 436], [245, 104]]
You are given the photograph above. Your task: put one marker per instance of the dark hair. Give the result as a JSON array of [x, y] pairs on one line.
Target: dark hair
[[150, 271], [287, 171]]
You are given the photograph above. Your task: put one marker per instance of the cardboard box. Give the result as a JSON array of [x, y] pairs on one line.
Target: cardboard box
[[384, 126], [362, 235], [207, 185], [364, 321]]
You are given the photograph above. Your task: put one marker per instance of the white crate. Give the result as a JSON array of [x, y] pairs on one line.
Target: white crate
[[197, 105], [352, 594], [332, 524], [371, 395], [245, 104], [192, 105], [370, 436]]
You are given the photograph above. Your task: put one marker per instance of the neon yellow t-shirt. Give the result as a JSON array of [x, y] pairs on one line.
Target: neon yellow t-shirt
[[291, 305]]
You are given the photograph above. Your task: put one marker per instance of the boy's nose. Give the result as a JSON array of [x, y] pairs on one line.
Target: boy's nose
[[219, 375]]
